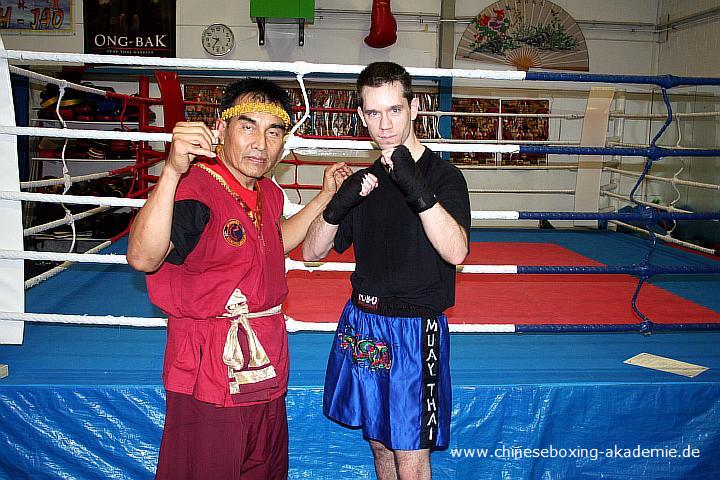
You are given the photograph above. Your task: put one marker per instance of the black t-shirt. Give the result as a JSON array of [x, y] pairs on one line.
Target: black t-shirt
[[394, 256]]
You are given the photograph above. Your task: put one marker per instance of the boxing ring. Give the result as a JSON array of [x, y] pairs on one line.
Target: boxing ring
[[84, 399]]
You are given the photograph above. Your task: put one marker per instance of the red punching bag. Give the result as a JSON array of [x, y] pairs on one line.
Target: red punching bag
[[383, 27]]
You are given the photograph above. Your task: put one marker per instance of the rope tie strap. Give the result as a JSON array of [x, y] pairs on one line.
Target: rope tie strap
[[239, 315]]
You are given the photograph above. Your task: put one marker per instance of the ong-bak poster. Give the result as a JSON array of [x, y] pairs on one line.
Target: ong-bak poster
[[144, 28]]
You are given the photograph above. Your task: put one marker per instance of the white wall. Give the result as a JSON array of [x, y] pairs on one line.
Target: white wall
[[331, 40], [692, 50], [339, 39]]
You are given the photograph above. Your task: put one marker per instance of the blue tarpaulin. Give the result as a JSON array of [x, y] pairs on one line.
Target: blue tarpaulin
[[87, 403]]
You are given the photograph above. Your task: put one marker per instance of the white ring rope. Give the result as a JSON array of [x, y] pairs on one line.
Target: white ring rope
[[292, 142], [306, 102], [566, 166], [72, 199], [95, 134], [63, 221], [60, 181], [666, 238], [65, 171], [674, 180], [494, 215], [646, 145], [519, 190], [662, 116], [566, 116], [56, 81], [294, 67], [122, 161], [85, 319], [608, 186], [31, 282], [291, 324], [678, 195], [59, 257], [458, 141], [137, 203], [290, 264], [626, 198], [487, 269]]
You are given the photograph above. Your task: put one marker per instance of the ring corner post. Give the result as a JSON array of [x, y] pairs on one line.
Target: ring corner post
[[12, 292]]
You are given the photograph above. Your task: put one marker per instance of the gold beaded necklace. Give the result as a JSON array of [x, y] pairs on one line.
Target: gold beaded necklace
[[255, 216]]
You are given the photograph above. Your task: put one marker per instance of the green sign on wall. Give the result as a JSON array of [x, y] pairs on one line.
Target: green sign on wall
[[283, 9]]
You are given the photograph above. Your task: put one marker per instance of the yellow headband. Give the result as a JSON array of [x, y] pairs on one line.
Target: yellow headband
[[251, 107]]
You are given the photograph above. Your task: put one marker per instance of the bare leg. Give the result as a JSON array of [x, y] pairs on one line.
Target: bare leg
[[384, 461], [413, 464]]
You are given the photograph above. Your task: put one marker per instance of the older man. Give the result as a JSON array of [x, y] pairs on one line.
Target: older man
[[212, 238]]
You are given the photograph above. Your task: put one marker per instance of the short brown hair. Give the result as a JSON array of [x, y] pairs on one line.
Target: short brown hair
[[381, 73]]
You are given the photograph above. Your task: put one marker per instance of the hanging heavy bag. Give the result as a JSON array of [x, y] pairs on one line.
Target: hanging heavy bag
[[383, 27]]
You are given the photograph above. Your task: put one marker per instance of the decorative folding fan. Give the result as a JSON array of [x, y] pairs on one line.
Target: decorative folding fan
[[526, 34]]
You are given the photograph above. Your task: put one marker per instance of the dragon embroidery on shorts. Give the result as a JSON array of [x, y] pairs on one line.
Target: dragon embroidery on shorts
[[366, 352]]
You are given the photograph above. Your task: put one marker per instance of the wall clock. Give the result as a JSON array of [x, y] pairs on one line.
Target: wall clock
[[218, 39]]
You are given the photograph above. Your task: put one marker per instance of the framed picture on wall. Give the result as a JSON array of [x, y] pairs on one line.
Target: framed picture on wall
[[532, 129], [37, 17], [507, 129], [475, 128]]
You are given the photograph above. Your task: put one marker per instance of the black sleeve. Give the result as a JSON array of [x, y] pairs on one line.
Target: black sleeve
[[189, 220], [343, 236], [452, 193]]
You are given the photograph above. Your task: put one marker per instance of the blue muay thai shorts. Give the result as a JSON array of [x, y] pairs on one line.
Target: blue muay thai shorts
[[388, 372]]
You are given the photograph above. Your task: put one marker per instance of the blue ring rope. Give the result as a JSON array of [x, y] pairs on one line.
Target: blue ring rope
[[647, 215], [653, 145], [653, 152], [611, 328], [647, 324], [665, 81], [642, 270], [577, 328], [668, 120]]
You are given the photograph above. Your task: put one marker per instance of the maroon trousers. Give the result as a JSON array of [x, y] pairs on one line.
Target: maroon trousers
[[205, 442]]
